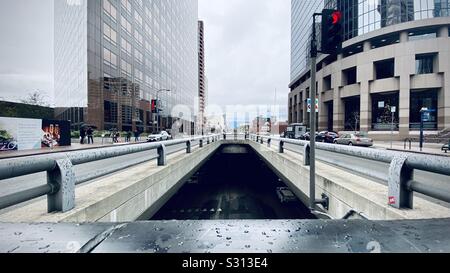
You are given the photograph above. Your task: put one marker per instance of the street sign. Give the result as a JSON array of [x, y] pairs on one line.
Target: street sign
[[316, 106]]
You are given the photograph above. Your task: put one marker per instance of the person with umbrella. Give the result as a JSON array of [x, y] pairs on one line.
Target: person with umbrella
[[82, 134]]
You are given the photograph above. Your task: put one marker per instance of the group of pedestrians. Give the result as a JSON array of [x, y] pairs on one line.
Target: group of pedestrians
[[137, 135], [87, 132]]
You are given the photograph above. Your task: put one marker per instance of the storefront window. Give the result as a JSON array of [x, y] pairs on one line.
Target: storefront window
[[352, 113], [419, 100], [381, 111]]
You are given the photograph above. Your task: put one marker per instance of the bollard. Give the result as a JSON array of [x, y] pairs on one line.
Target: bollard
[[224, 136], [281, 147], [306, 157], [399, 176], [188, 147], [201, 143], [62, 180], [208, 140], [162, 160], [262, 140], [269, 142], [257, 138]]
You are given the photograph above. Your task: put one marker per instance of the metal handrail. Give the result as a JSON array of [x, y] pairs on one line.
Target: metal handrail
[[400, 177], [61, 179]]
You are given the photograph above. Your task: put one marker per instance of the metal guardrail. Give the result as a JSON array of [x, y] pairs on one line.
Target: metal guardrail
[[61, 179], [401, 183]]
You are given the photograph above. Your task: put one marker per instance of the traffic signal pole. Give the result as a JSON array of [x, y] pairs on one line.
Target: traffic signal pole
[[312, 146]]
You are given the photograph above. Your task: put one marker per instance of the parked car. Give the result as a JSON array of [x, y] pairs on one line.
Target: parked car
[[285, 195], [307, 136], [327, 136], [159, 137], [354, 139]]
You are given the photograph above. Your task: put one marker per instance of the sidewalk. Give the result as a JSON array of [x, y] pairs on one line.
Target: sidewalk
[[74, 147], [428, 148]]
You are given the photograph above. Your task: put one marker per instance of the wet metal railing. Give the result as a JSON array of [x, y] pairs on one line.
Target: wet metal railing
[[61, 179], [400, 180]]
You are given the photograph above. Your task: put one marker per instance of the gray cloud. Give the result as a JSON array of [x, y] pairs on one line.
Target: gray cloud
[[26, 50], [247, 50]]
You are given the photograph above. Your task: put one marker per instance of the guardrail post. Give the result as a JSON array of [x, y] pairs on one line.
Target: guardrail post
[[224, 137], [269, 142], [208, 140], [399, 176], [262, 140], [257, 138], [188, 147], [62, 180], [245, 137], [281, 147], [201, 143], [162, 159], [306, 155]]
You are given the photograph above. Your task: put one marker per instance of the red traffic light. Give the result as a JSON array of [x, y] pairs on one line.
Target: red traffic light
[[336, 16]]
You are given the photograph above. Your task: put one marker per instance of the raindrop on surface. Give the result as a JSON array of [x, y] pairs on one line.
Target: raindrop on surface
[[180, 243], [269, 251], [247, 246], [228, 238], [246, 231]]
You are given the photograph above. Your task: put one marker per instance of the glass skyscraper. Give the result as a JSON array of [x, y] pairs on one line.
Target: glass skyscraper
[[112, 57]]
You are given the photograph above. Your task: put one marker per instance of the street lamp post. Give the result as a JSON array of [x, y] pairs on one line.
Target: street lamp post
[[157, 107]]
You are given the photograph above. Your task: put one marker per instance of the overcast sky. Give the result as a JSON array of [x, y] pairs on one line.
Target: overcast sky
[[26, 48], [247, 49]]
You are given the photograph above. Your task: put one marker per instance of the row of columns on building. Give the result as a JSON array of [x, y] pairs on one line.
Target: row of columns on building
[[365, 76]]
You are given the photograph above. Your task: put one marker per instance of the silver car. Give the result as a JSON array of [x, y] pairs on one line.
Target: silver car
[[354, 139]]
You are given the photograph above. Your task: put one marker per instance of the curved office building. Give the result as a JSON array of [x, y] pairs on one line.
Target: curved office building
[[396, 54]]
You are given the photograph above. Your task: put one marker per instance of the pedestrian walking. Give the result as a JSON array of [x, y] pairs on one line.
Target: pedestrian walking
[[136, 135], [82, 135], [90, 135], [128, 138]]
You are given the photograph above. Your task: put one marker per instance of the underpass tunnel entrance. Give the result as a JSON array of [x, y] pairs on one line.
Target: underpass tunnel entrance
[[234, 184]]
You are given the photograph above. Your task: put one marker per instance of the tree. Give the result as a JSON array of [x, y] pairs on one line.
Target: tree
[[36, 98]]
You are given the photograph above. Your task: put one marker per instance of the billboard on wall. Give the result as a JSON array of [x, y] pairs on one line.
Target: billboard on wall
[[55, 133], [20, 134], [28, 134]]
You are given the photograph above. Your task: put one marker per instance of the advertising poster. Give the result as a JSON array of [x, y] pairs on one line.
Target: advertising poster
[[20, 134], [55, 133]]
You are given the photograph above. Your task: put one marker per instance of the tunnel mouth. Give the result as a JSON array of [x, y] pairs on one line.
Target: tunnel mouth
[[234, 184]]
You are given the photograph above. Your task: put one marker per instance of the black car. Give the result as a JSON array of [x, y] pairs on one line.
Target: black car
[[326, 136]]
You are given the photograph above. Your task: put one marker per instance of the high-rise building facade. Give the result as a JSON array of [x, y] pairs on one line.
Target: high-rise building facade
[[202, 80], [113, 57], [395, 58]]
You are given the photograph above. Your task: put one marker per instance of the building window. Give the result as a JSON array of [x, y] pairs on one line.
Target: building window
[[327, 83], [352, 113], [110, 9], [419, 100], [109, 33], [109, 58], [424, 64], [381, 111], [349, 76], [384, 69]]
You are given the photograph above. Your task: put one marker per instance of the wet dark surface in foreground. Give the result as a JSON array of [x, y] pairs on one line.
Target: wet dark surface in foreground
[[230, 236], [233, 184]]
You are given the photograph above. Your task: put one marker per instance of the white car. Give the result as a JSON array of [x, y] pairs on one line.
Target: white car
[[159, 137]]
